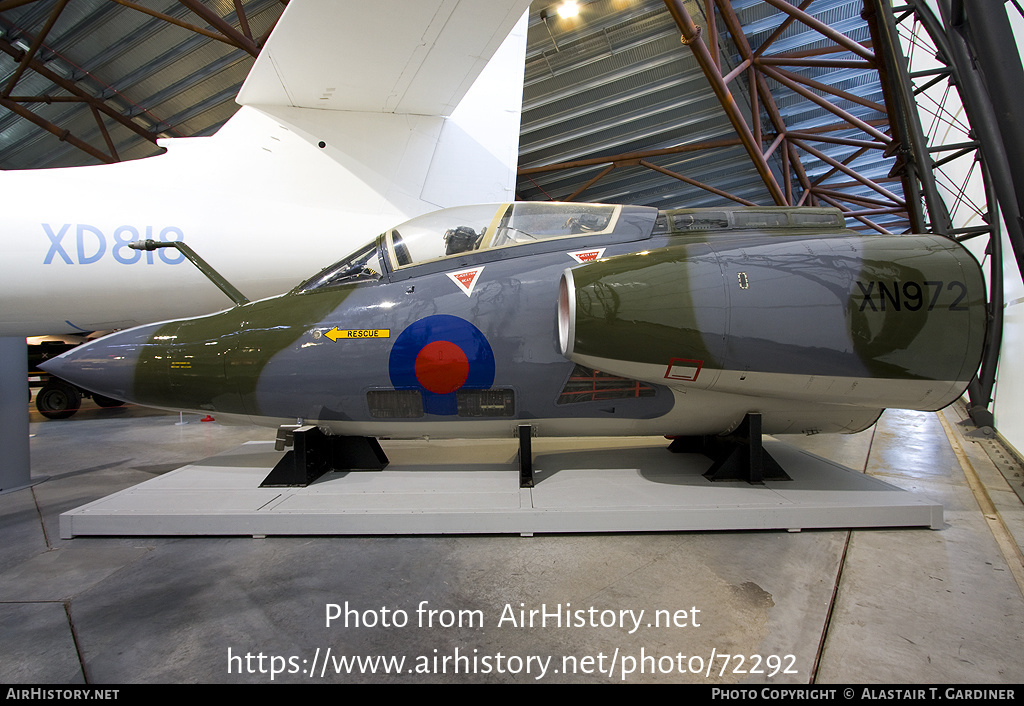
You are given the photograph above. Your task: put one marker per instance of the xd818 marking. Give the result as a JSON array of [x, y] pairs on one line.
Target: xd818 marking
[[578, 319]]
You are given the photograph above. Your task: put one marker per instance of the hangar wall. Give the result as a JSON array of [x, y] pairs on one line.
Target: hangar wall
[[961, 186], [1009, 389]]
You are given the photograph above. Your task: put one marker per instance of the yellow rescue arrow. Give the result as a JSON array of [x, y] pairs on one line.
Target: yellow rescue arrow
[[334, 334]]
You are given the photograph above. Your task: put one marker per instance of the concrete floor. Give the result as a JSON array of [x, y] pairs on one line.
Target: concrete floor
[[865, 606]]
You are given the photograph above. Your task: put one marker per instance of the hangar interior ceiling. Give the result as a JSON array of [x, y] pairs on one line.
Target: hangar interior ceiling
[[632, 113], [616, 107], [668, 103], [92, 81]]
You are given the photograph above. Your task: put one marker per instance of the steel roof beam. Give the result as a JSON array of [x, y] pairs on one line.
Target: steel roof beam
[[849, 141], [226, 33], [75, 89], [709, 13], [850, 184], [826, 104], [168, 57], [826, 88], [698, 184], [646, 184], [855, 175], [600, 175], [34, 48], [692, 38], [642, 154], [11, 4], [106, 134], [918, 182], [854, 198], [837, 37], [820, 51], [81, 29], [790, 159], [243, 21], [62, 135], [779, 60], [779, 31], [233, 35], [852, 214], [31, 59]]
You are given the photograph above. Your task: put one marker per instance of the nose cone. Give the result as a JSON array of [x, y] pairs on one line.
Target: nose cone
[[105, 366]]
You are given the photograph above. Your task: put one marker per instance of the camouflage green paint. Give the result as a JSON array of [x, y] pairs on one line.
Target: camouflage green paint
[[844, 305], [612, 313], [923, 288], [214, 362]]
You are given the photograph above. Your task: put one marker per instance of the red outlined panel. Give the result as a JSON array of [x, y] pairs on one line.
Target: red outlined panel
[[683, 369]]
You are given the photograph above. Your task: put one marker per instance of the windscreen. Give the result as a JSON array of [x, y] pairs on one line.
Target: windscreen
[[362, 265]]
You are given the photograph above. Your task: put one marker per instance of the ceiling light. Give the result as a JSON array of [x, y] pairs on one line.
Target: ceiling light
[[568, 9]]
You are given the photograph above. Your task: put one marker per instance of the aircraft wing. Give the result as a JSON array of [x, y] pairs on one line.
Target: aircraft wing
[[390, 56]]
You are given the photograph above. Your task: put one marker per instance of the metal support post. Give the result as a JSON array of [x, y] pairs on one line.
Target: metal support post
[[525, 456], [15, 468]]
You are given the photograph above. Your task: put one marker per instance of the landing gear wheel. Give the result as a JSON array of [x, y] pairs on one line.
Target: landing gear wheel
[[106, 401], [58, 400]]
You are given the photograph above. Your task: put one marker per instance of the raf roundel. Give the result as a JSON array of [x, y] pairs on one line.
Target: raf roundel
[[442, 367], [440, 355]]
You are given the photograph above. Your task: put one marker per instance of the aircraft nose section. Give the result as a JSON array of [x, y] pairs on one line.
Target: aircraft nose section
[[105, 366]]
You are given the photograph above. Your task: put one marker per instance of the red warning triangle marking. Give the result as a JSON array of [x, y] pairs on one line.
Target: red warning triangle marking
[[582, 256], [466, 279]]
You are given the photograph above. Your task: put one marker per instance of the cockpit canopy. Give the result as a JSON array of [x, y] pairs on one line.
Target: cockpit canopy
[[454, 231], [463, 229]]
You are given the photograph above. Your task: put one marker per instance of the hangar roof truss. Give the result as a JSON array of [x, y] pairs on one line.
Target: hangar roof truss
[[108, 78], [753, 102]]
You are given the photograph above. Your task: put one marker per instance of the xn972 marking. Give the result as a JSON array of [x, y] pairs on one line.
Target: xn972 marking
[[913, 295]]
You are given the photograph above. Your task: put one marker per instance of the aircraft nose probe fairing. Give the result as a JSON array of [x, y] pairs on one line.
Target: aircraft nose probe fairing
[[578, 319]]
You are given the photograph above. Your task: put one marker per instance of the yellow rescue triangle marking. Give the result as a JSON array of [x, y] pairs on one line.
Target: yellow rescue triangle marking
[[334, 334]]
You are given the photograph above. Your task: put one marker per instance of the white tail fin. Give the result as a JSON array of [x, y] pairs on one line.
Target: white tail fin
[[420, 100]]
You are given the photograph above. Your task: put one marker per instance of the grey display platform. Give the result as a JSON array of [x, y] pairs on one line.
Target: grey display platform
[[596, 485]]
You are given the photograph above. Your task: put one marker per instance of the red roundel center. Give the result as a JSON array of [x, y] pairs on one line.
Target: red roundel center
[[442, 367]]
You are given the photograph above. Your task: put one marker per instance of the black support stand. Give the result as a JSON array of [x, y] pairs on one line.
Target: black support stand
[[525, 456], [737, 456], [316, 453]]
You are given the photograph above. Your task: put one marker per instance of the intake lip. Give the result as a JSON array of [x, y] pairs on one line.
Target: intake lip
[[567, 313]]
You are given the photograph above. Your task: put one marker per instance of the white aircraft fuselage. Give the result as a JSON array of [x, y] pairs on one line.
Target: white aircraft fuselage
[[64, 242], [299, 176]]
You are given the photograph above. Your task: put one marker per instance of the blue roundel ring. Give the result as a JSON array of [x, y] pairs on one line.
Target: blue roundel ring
[[441, 348]]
